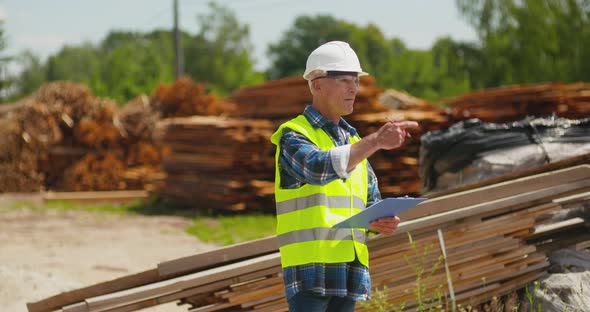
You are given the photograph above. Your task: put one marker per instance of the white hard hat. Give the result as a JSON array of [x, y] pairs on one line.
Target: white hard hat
[[333, 56]]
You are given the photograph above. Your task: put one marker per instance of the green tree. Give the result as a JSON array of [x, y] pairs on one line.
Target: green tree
[[132, 64], [529, 41], [289, 55], [427, 74], [77, 63], [220, 53], [6, 80], [31, 76]]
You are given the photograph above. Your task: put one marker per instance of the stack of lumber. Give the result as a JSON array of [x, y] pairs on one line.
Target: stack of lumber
[[185, 97], [516, 102], [64, 117], [286, 98], [398, 170], [65, 138], [217, 168], [497, 239], [215, 162]]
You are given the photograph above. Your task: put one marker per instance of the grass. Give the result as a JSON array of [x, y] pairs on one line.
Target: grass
[[219, 229], [227, 230]]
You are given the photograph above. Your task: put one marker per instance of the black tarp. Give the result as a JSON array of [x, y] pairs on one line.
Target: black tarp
[[452, 149]]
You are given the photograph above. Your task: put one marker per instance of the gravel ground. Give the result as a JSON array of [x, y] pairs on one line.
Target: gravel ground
[[43, 253]]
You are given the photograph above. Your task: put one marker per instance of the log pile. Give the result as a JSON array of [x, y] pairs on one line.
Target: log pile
[[397, 170], [496, 239], [184, 97], [267, 106], [516, 102], [215, 162], [286, 98]]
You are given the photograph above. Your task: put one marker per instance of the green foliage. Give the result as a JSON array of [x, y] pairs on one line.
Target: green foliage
[[428, 74], [126, 64], [529, 41], [6, 80], [289, 55], [525, 41], [220, 53], [379, 302], [425, 301], [32, 76]]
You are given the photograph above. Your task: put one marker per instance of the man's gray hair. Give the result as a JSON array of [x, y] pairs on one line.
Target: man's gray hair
[[313, 75]]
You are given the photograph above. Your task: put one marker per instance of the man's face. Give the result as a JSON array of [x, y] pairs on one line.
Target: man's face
[[338, 93]]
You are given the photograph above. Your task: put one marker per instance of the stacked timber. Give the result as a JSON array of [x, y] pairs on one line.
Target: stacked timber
[[286, 98], [516, 102], [185, 97], [496, 240], [65, 138], [397, 170], [59, 116], [218, 163]]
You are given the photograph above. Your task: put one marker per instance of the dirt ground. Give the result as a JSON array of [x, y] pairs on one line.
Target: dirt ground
[[43, 253]]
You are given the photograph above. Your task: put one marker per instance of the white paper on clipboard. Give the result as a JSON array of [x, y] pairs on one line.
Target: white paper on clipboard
[[387, 207]]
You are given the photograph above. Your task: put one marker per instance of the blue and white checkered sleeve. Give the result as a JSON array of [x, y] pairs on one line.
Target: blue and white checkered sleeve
[[303, 160]]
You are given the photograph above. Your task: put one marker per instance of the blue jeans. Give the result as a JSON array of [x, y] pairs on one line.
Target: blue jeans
[[305, 301]]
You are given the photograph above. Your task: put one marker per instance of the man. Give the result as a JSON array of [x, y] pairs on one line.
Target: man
[[322, 177]]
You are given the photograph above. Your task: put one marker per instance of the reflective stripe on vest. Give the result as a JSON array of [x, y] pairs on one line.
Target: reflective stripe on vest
[[305, 215], [294, 204]]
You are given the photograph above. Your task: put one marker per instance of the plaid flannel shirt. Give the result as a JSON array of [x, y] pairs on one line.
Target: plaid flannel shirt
[[302, 162]]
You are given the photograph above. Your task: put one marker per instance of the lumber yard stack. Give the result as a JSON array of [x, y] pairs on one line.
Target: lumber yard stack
[[218, 163], [266, 106], [52, 137], [496, 237], [516, 102], [64, 138]]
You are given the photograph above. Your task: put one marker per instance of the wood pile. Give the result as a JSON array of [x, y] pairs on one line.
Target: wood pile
[[497, 239], [286, 98], [218, 162], [280, 100], [65, 138], [184, 97], [516, 102], [398, 170], [215, 166]]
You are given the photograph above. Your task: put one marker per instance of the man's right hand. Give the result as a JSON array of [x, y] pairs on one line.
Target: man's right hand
[[393, 134]]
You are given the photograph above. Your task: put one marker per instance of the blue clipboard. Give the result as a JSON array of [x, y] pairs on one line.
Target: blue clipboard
[[387, 207]]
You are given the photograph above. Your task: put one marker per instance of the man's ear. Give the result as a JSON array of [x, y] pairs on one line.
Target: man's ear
[[316, 86]]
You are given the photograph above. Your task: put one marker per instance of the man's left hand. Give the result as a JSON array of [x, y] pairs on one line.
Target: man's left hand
[[385, 226]]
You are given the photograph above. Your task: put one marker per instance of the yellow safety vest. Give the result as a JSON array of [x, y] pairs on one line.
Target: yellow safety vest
[[305, 215]]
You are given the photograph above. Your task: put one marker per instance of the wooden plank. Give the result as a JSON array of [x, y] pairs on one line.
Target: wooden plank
[[213, 307], [181, 283], [195, 290], [497, 191], [569, 162], [76, 307], [78, 295], [258, 294], [219, 257], [494, 205]]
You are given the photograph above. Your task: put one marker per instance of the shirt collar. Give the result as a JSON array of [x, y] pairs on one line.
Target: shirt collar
[[318, 121]]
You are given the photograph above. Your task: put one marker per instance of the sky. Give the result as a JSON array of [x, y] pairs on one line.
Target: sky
[[44, 26]]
